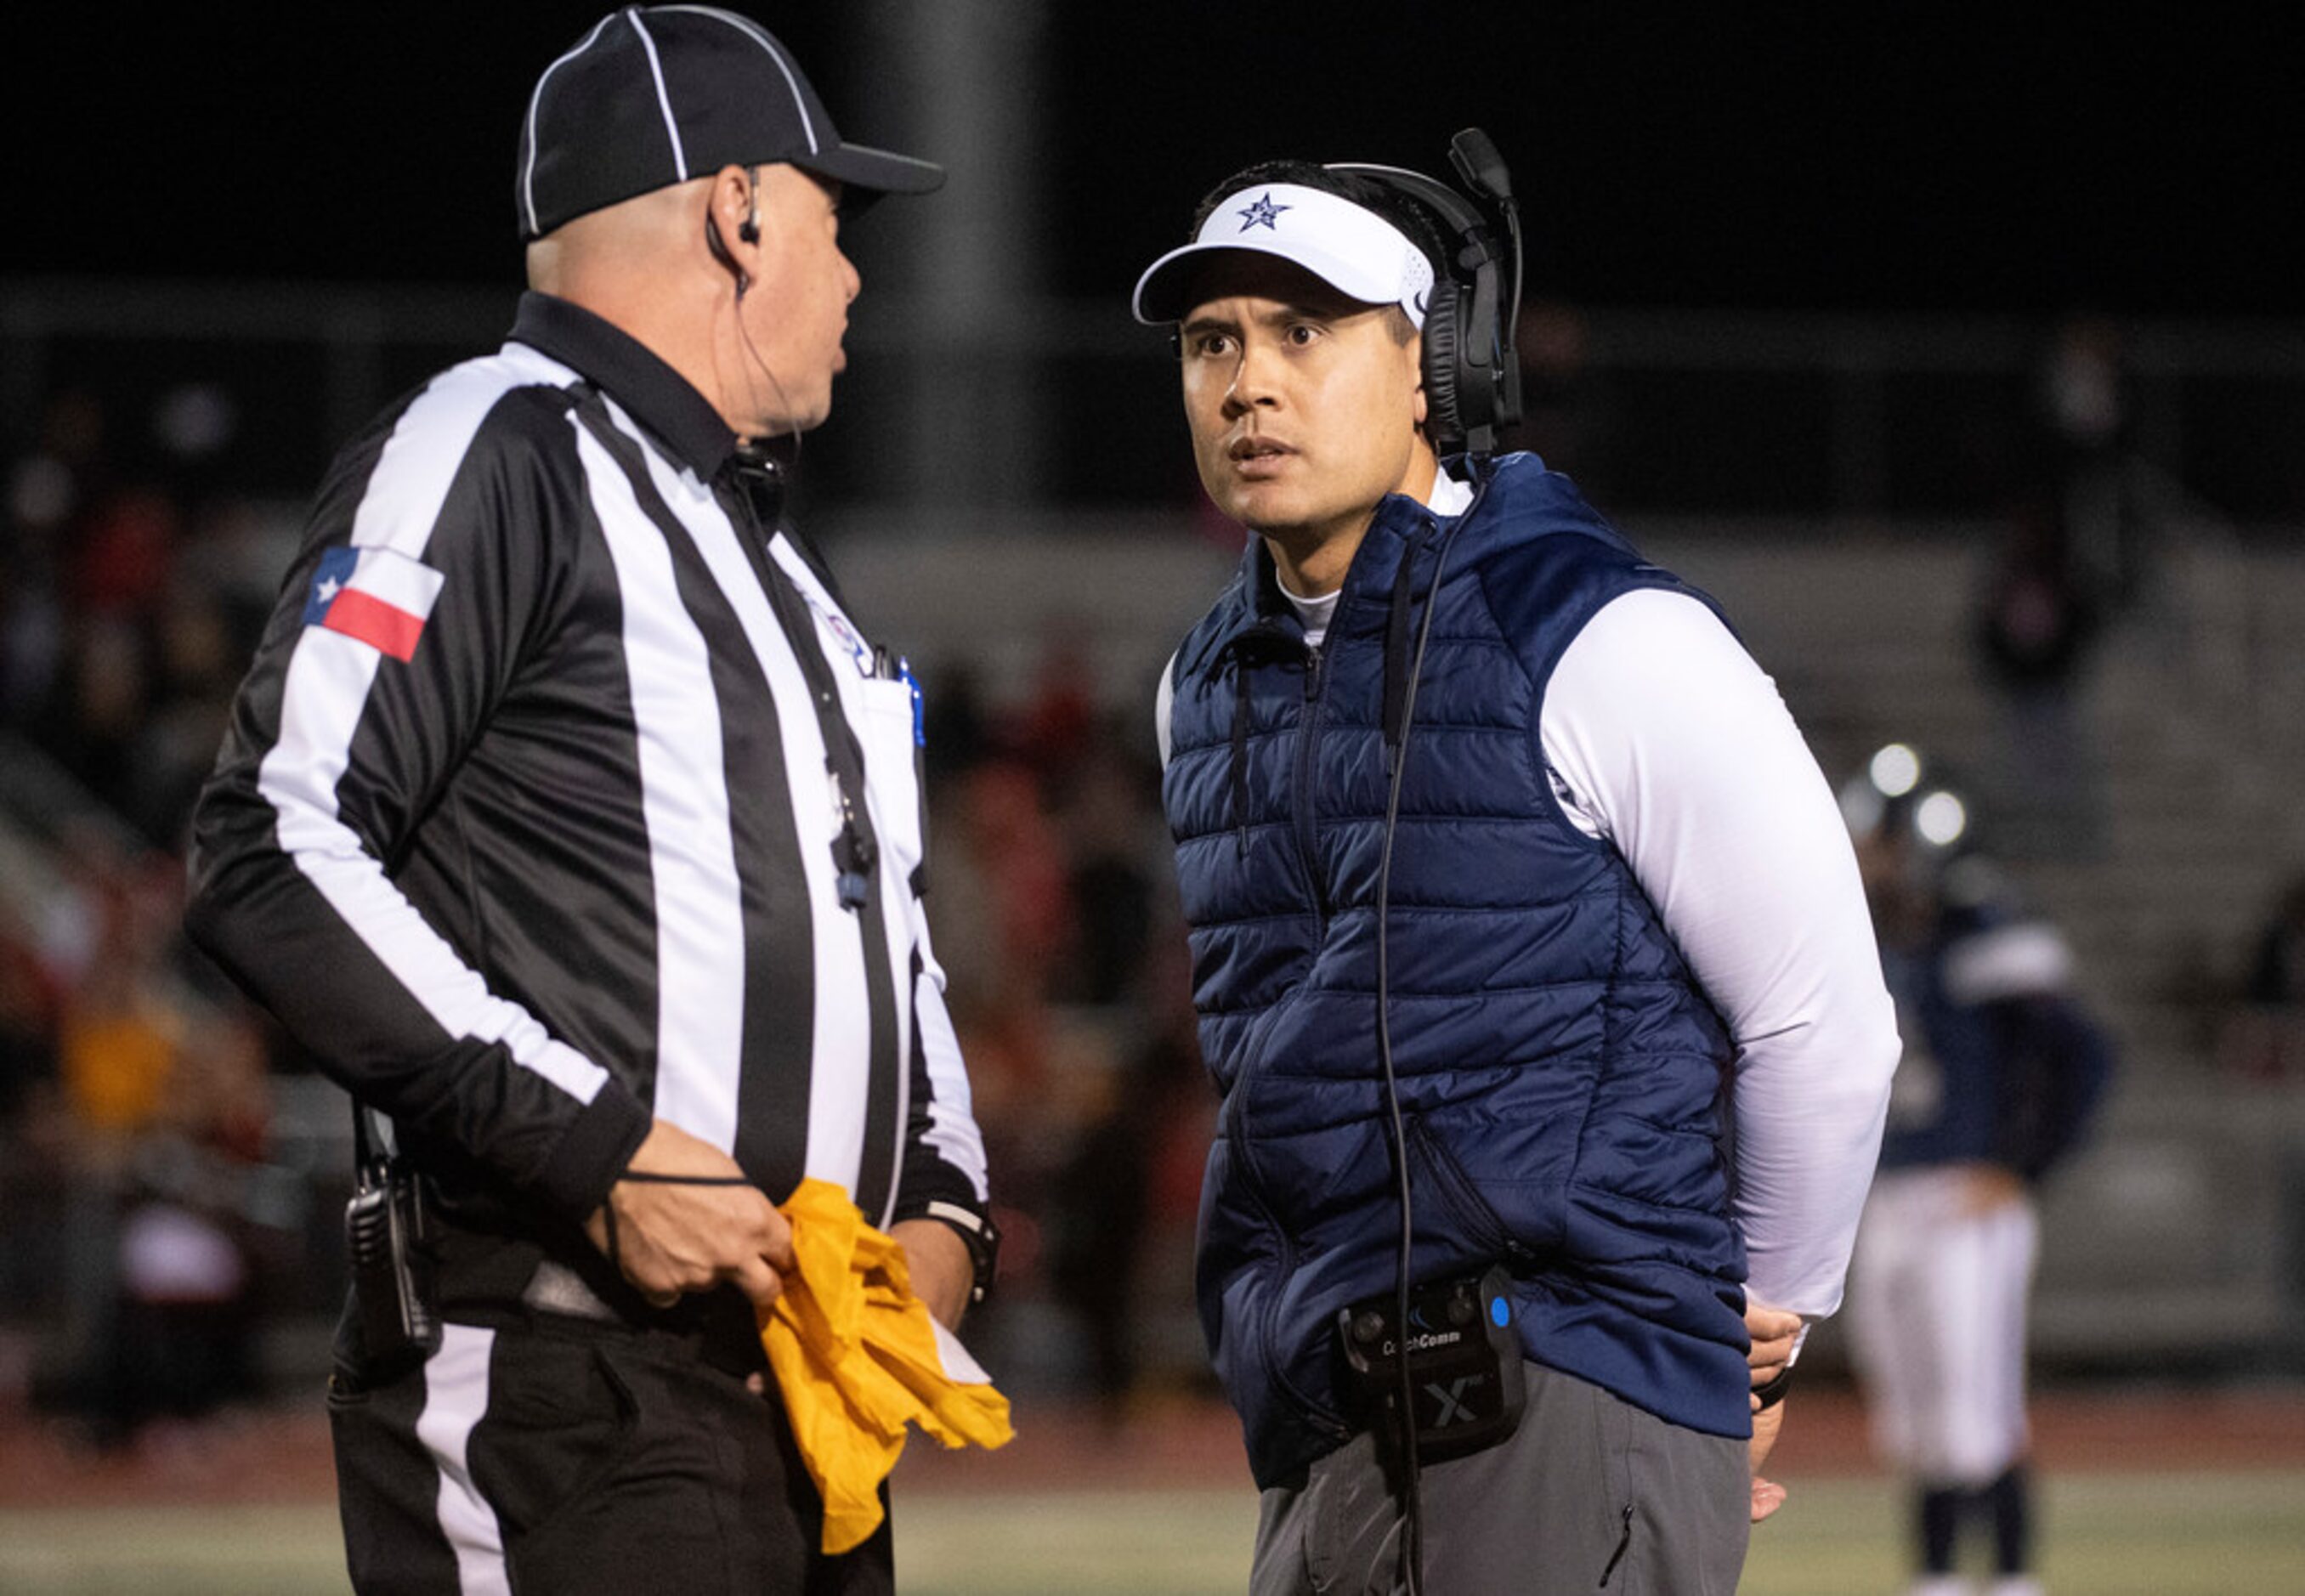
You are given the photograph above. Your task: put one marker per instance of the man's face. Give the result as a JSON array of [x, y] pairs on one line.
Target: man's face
[[798, 306], [1303, 404]]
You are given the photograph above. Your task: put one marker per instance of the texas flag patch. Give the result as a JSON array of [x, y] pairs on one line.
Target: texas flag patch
[[375, 595]]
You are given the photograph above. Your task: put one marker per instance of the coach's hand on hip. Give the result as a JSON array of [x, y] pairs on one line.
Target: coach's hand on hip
[[1773, 1333], [670, 1236]]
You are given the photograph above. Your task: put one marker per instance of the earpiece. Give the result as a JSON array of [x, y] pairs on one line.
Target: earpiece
[[1472, 369], [749, 229]]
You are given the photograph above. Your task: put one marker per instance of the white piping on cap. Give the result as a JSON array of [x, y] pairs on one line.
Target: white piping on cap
[[527, 174], [663, 100], [761, 37]]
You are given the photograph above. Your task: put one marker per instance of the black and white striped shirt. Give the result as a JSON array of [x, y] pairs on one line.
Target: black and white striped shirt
[[571, 860]]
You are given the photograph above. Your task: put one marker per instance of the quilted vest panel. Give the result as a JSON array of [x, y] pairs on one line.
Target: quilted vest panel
[[1559, 1072]]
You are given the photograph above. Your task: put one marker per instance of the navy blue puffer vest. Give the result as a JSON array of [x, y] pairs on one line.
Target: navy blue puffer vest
[[1559, 1072]]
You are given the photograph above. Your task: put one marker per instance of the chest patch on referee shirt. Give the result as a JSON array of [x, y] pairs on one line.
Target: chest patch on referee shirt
[[859, 651], [378, 596]]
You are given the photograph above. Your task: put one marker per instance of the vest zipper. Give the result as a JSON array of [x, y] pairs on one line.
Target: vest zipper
[[1302, 798]]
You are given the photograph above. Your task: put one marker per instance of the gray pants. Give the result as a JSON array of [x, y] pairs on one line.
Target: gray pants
[[1589, 1487]]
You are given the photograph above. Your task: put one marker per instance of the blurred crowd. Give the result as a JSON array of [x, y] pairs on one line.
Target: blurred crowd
[[150, 1227], [142, 1216], [1051, 905]]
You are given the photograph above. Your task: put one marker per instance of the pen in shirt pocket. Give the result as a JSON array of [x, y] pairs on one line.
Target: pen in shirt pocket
[[920, 713]]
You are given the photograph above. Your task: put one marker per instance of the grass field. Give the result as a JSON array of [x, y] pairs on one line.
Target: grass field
[[2126, 1534]]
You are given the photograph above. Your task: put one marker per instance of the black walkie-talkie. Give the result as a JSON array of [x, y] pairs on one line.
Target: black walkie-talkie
[[392, 1265]]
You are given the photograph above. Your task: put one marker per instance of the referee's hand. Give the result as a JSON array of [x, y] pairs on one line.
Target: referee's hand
[[671, 1237]]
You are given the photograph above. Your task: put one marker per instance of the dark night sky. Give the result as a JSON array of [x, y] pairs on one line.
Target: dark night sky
[[1890, 157]]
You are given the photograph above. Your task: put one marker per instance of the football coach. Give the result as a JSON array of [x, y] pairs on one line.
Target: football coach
[[1512, 891]]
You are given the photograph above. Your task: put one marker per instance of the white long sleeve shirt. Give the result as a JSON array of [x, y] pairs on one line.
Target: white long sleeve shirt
[[1662, 736]]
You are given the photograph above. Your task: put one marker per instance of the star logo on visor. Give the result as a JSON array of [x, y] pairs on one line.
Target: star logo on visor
[[1261, 213]]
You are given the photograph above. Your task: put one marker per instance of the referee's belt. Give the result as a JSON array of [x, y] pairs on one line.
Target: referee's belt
[[717, 1326], [486, 1276]]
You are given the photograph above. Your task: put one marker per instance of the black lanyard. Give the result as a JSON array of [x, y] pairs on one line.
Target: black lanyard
[[855, 851]]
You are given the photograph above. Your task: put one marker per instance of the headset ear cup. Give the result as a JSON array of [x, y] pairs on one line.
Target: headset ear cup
[[1443, 340]]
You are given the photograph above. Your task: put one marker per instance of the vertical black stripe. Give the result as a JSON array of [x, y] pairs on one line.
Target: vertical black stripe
[[876, 1171], [779, 1002], [925, 1175], [920, 1097], [876, 1174]]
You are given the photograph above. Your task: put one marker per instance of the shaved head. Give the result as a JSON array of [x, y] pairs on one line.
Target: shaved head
[[635, 238]]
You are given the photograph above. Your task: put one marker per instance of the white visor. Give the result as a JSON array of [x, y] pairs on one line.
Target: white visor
[[1353, 250]]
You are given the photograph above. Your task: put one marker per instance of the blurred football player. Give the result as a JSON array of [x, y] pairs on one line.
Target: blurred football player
[[2002, 1070]]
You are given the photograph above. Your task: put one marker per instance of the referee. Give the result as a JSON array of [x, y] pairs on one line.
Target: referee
[[568, 820]]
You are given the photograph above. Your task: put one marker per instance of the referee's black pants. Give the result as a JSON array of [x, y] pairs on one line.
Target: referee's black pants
[[537, 1454]]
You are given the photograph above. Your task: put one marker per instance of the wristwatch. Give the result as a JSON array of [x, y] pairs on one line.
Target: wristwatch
[[1773, 1391], [980, 1236]]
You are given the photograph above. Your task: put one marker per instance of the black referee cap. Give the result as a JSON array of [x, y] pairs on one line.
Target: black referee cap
[[660, 94]]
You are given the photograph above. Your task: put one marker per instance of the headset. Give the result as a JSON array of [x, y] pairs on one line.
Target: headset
[[1472, 385], [1471, 366]]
